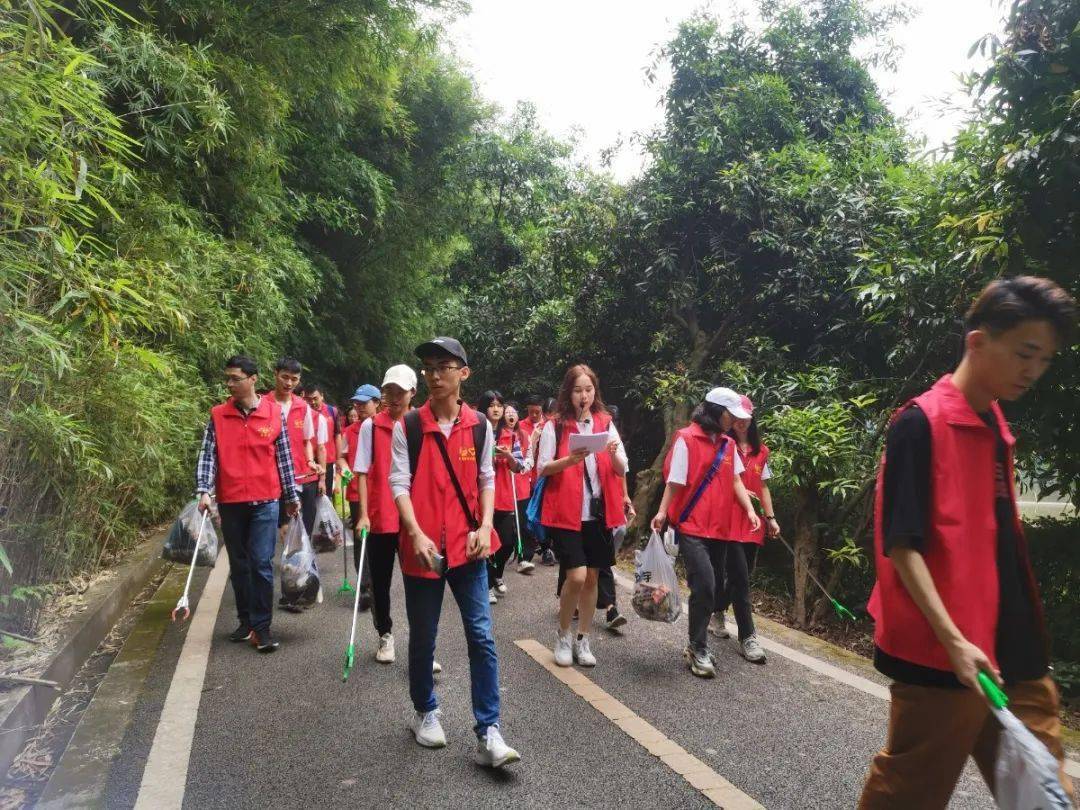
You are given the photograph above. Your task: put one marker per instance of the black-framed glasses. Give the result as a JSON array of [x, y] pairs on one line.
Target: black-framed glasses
[[231, 379], [439, 369]]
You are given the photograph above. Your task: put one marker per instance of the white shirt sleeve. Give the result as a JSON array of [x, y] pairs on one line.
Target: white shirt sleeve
[[613, 433], [766, 473], [680, 463], [400, 472], [309, 426], [361, 462], [323, 434], [546, 454], [487, 467], [740, 468]]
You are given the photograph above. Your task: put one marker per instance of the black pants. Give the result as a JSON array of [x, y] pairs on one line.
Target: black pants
[[733, 589], [365, 575], [330, 478], [704, 560], [309, 505], [504, 525], [379, 564]]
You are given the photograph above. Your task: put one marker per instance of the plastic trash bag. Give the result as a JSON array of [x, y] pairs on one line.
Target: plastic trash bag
[[1026, 773], [180, 544], [328, 533], [656, 588], [299, 571]]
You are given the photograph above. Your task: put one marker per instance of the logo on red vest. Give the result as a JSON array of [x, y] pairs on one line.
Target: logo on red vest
[[467, 454], [298, 424], [263, 432]]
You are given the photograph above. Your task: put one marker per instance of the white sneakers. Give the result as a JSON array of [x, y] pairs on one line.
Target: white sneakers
[[583, 653], [564, 649], [718, 626], [568, 650], [436, 667], [525, 567], [428, 730], [493, 751], [385, 653], [500, 587], [493, 598], [753, 651]]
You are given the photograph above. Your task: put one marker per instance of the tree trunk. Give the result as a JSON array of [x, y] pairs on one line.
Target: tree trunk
[[806, 518]]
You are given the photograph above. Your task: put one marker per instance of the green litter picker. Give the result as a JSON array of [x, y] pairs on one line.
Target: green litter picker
[[350, 651], [346, 477], [841, 611]]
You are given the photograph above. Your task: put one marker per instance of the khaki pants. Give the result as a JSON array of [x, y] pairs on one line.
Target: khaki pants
[[933, 731]]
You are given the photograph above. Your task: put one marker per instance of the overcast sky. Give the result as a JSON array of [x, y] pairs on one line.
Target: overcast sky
[[582, 62]]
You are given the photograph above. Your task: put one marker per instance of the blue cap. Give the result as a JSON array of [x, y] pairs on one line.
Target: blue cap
[[366, 393]]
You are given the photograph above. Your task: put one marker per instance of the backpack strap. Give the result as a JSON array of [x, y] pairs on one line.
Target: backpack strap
[[479, 433], [414, 438], [706, 479]]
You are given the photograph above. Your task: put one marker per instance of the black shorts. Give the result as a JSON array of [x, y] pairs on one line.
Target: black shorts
[[591, 547]]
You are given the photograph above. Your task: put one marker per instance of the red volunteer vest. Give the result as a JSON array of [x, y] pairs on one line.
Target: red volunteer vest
[[961, 542], [381, 507], [753, 467], [246, 456], [434, 500], [351, 434], [712, 515], [295, 422], [331, 439], [504, 490], [564, 491], [523, 480], [528, 428]]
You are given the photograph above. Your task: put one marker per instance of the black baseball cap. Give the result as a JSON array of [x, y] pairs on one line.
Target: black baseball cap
[[447, 345]]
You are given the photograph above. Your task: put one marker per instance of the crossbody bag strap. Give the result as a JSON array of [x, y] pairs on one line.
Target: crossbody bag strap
[[706, 479], [440, 441]]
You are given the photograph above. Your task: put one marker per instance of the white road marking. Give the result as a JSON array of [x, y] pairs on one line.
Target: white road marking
[[165, 777], [1072, 766]]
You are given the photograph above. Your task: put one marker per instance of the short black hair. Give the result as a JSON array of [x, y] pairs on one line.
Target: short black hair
[[533, 399], [244, 363], [289, 364], [312, 388], [1005, 303]]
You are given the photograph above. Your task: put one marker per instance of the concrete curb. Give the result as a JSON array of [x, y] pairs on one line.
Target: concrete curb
[[23, 709]]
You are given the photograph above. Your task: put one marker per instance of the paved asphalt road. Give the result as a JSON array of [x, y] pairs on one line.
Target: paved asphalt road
[[284, 731]]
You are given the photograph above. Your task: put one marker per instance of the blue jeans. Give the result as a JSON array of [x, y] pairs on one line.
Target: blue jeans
[[423, 604], [250, 539]]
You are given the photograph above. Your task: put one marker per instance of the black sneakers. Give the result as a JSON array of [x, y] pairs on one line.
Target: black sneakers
[[613, 619], [263, 641], [548, 557], [241, 633]]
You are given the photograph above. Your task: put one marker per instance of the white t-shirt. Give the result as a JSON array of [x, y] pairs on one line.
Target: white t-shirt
[[546, 455], [401, 473], [309, 424], [680, 463]]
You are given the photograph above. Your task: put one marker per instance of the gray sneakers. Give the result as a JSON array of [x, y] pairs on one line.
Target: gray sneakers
[[718, 626], [701, 663], [752, 650]]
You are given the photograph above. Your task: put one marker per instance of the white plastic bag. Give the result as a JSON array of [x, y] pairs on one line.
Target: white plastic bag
[[299, 571], [180, 544], [328, 533], [1026, 773], [656, 588]]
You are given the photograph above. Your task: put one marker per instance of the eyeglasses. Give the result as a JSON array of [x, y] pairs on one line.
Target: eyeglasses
[[231, 379], [438, 370]]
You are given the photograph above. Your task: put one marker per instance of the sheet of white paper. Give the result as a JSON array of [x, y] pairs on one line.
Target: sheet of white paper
[[593, 442]]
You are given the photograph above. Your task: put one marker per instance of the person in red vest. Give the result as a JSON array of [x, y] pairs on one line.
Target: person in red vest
[[443, 481], [332, 449], [583, 502], [955, 594], [532, 426], [376, 511], [522, 482], [366, 401], [704, 489], [246, 458], [745, 539]]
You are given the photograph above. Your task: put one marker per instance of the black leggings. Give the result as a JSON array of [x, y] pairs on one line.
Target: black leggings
[[504, 525], [733, 588], [379, 568]]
